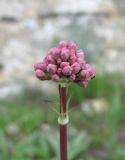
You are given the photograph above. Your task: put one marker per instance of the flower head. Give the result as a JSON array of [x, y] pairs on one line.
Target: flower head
[[65, 62]]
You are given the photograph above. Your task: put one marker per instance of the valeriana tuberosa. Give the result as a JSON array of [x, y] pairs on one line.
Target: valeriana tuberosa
[[64, 64]]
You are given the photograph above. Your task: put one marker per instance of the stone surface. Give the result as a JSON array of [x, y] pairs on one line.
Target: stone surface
[[94, 106], [28, 28]]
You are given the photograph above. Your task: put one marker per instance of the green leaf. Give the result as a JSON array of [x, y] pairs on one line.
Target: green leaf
[[54, 142], [68, 102], [76, 147], [4, 146], [44, 147]]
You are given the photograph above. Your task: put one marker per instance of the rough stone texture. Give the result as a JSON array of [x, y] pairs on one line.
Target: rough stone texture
[[29, 27]]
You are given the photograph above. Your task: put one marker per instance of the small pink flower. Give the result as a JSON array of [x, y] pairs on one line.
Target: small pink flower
[[55, 52], [91, 71], [64, 54], [40, 65], [81, 62], [72, 77], [63, 44], [51, 68], [55, 77], [50, 59], [83, 83], [40, 74], [87, 66], [80, 54], [58, 60], [36, 66], [64, 64], [84, 74], [72, 45], [72, 59], [76, 67], [72, 52], [67, 70], [59, 71]]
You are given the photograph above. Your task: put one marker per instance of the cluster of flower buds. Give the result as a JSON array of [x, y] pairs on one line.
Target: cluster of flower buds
[[65, 63]]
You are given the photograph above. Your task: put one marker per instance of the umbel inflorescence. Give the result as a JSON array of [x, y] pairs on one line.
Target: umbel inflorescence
[[65, 63]]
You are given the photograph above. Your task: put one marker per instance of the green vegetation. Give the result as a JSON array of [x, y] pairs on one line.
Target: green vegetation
[[29, 130]]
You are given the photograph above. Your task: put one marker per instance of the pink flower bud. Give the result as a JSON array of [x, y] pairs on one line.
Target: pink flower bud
[[72, 77], [50, 59], [84, 74], [81, 62], [64, 64], [64, 54], [67, 70], [55, 77], [80, 54], [59, 60], [83, 83], [76, 67], [39, 74], [51, 68], [72, 45], [91, 71], [87, 66], [55, 52], [59, 71], [72, 53], [72, 59], [40, 65], [63, 44]]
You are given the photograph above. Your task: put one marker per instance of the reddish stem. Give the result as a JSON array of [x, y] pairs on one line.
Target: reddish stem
[[63, 142], [63, 128]]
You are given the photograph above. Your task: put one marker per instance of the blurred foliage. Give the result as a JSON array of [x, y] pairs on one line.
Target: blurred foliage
[[41, 145], [102, 86], [95, 136]]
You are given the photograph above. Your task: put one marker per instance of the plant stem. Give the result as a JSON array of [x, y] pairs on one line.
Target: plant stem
[[63, 127]]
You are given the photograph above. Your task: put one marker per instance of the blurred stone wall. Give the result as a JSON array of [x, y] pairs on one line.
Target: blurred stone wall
[[29, 27]]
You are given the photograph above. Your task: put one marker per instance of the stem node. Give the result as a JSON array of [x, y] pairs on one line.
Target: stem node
[[63, 121]]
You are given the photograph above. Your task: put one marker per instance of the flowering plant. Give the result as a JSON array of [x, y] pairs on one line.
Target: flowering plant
[[64, 64]]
